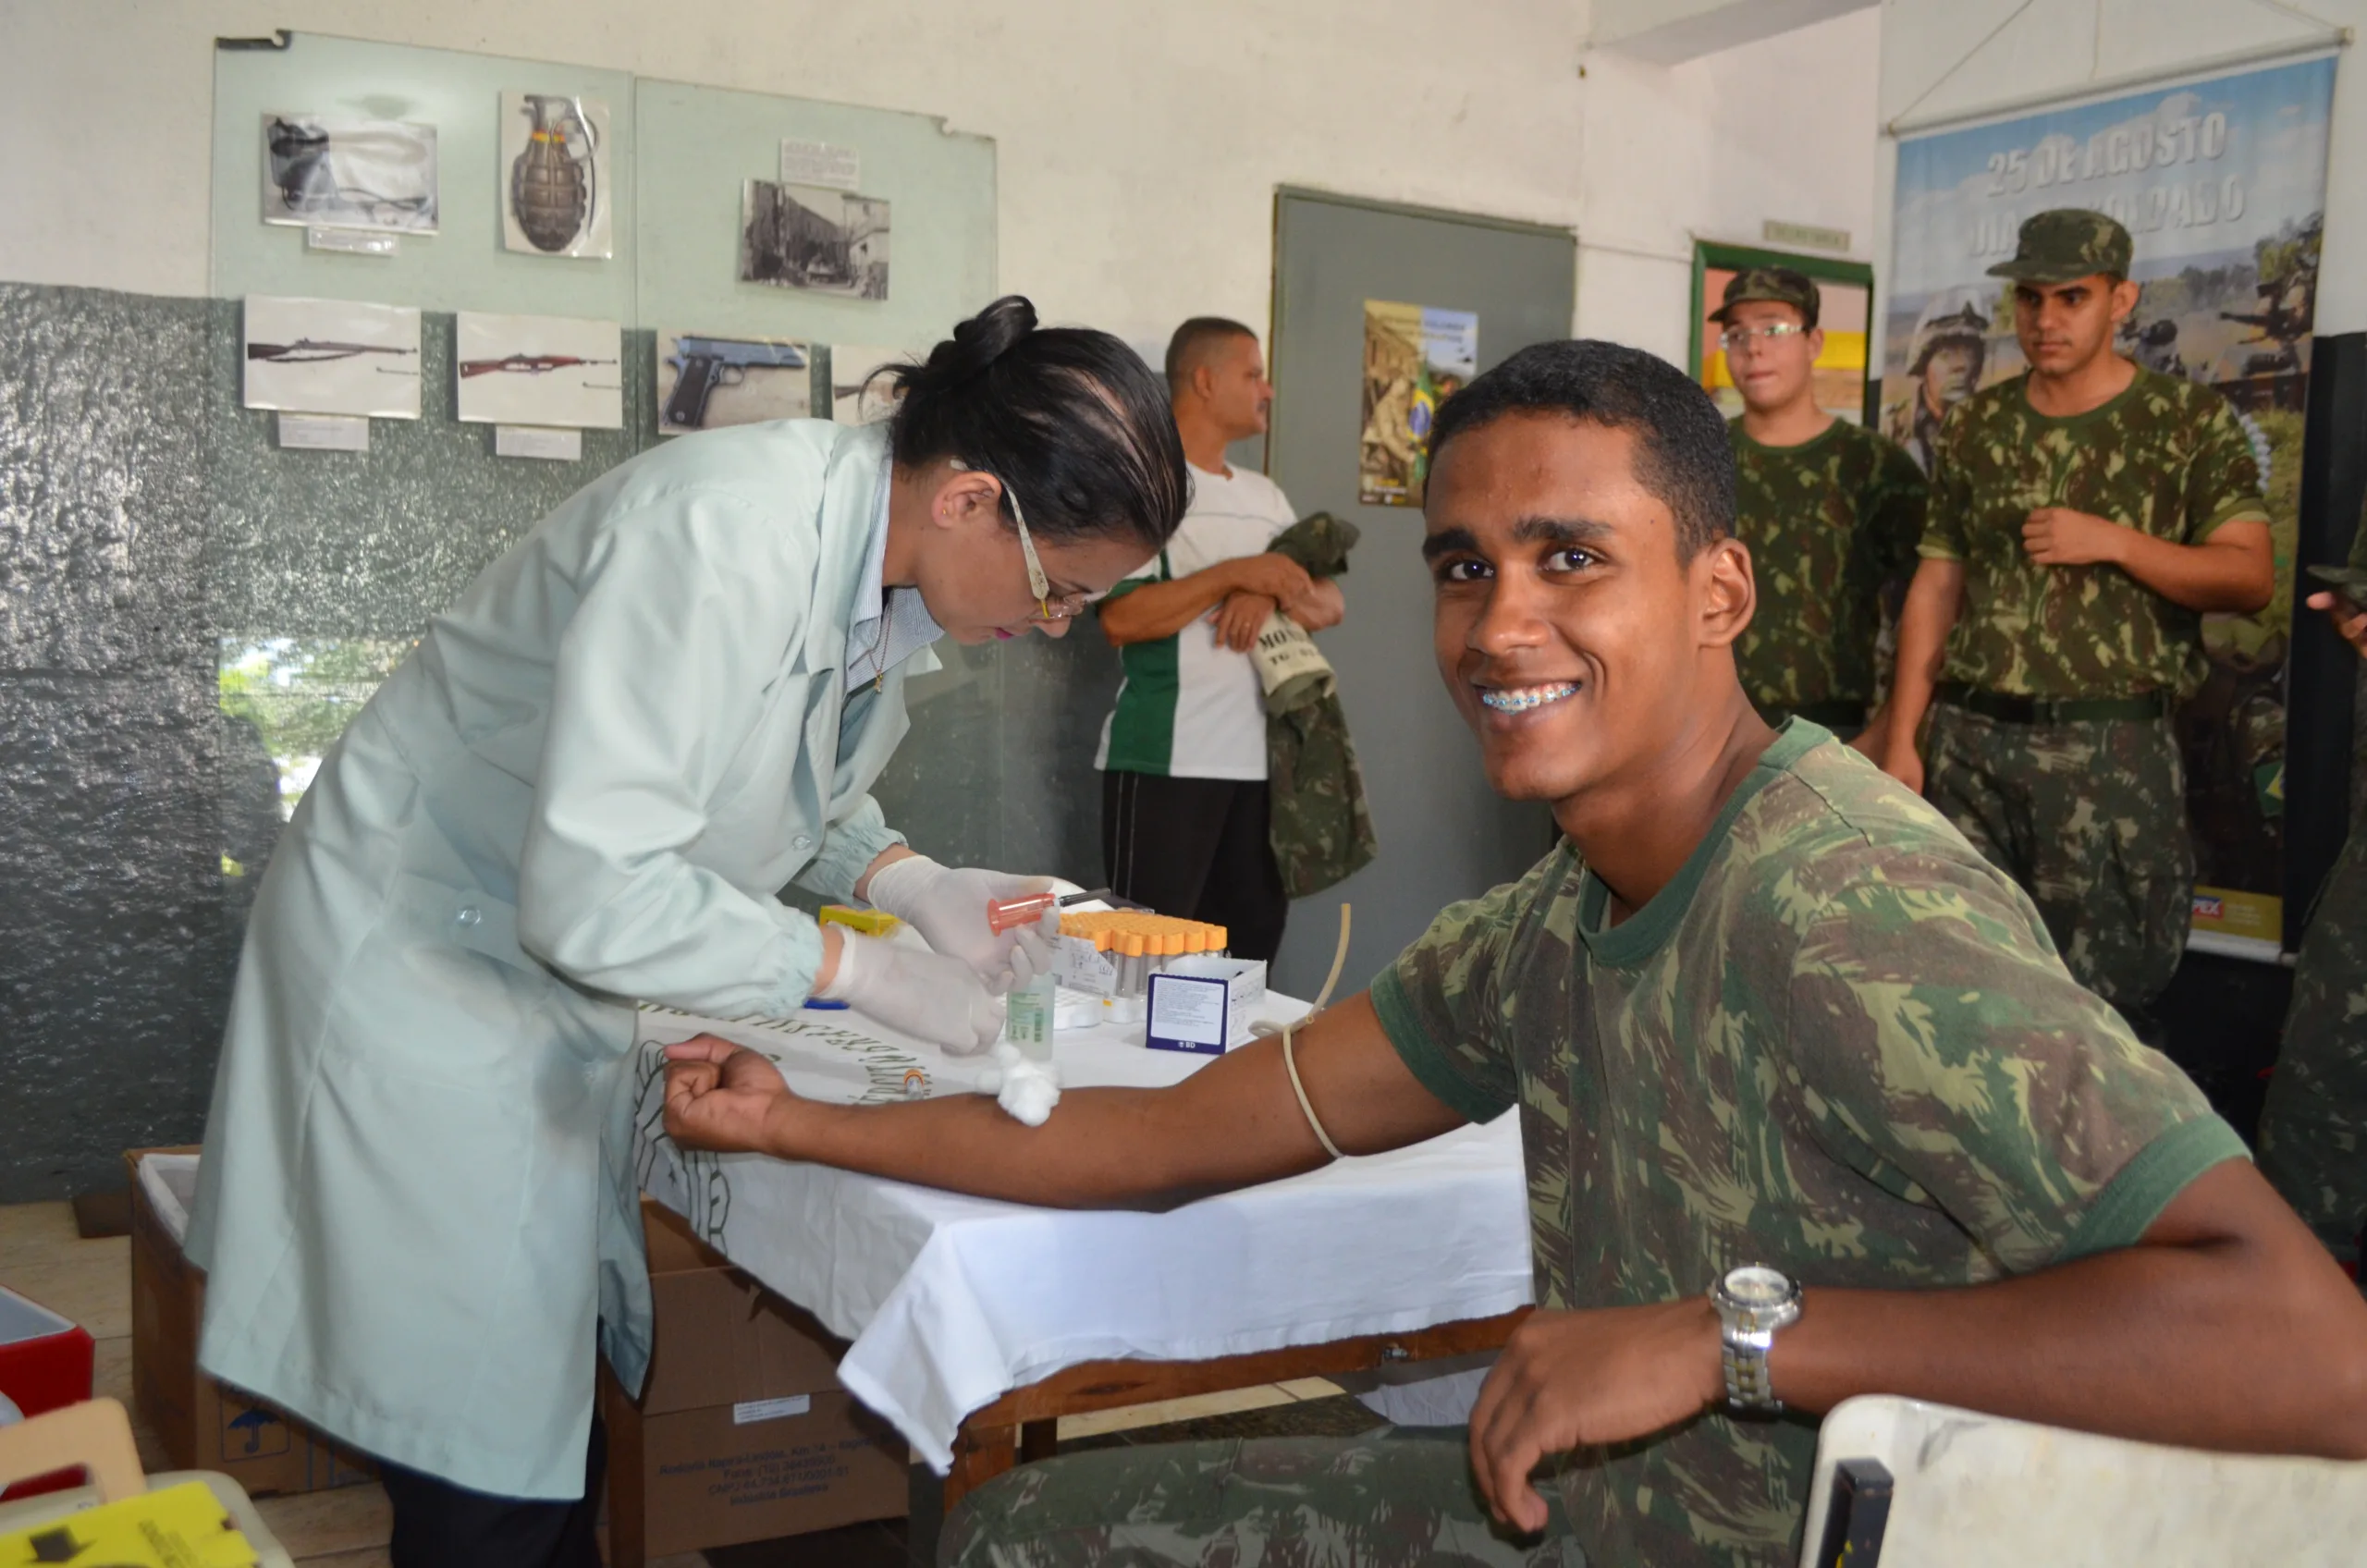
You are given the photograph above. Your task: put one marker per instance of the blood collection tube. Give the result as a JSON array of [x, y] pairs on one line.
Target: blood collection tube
[[1006, 914]]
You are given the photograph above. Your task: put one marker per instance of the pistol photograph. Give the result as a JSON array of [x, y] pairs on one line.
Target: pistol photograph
[[704, 383]]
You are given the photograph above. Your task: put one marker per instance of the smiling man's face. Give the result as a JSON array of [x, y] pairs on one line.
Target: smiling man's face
[[1569, 634]]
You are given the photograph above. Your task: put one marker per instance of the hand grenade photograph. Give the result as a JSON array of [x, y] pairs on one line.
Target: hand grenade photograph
[[555, 174]]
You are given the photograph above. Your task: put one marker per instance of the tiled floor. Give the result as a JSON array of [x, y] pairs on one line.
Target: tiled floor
[[40, 1256]]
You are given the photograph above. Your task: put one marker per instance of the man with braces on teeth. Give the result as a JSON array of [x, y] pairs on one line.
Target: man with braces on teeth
[[1809, 1104]]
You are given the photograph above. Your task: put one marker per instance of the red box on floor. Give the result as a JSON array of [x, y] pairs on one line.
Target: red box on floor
[[45, 1364]]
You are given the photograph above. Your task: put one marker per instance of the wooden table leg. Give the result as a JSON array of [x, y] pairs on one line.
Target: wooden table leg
[[980, 1453]]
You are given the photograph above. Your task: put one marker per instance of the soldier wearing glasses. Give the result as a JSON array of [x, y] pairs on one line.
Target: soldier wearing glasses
[[1830, 511], [2083, 517]]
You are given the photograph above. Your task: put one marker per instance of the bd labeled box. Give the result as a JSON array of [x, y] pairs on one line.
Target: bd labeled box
[[741, 1432], [1204, 1004]]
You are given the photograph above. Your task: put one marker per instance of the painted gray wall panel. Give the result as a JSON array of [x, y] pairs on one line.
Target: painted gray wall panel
[[144, 516], [1445, 835]]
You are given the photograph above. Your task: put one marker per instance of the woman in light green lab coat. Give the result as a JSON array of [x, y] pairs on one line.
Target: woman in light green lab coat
[[668, 700]]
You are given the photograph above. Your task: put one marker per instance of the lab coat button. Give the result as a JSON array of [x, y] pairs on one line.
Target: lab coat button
[[802, 842], [470, 916]]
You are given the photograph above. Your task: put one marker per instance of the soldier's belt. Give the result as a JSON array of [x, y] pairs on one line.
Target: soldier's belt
[[1832, 716], [2009, 707]]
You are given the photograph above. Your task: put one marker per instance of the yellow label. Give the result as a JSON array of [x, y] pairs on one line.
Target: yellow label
[[2231, 914], [183, 1527]]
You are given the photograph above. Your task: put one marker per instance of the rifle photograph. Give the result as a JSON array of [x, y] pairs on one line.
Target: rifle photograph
[[554, 371], [331, 357]]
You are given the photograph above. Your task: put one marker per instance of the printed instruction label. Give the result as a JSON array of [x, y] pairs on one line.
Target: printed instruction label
[[1811, 235], [1191, 1012], [751, 1411], [818, 162], [325, 432], [350, 241], [538, 441]]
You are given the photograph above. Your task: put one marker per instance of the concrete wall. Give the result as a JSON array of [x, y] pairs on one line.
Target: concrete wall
[[1710, 148], [1139, 144]]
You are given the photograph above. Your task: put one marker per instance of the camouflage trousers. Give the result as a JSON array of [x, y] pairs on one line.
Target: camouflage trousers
[[2314, 1130], [1403, 1498], [2090, 817]]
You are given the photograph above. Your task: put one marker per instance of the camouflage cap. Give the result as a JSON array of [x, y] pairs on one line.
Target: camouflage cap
[[1781, 284], [2066, 244]]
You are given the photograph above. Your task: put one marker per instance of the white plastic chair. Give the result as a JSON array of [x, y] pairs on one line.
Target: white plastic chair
[[1950, 1489], [97, 1436]]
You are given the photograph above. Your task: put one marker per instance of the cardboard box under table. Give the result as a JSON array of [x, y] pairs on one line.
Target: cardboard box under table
[[742, 1432], [205, 1424]]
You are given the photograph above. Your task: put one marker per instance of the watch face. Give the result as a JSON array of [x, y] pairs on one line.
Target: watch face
[[1755, 1286]]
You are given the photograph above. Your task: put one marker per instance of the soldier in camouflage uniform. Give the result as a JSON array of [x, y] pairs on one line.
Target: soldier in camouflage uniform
[[2313, 1129], [1829, 511], [2081, 518], [1761, 1004]]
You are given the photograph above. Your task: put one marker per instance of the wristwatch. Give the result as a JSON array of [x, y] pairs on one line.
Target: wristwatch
[[1753, 1302]]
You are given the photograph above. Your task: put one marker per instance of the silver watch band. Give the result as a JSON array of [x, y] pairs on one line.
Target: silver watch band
[[1748, 1386]]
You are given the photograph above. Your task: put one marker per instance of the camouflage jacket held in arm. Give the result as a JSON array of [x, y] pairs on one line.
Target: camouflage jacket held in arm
[[1320, 826], [1839, 1043]]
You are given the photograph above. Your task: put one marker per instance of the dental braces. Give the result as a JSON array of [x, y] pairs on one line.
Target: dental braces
[[1516, 702]]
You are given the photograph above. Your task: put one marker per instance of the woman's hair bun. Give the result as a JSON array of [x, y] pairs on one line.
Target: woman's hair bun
[[1069, 420], [983, 340]]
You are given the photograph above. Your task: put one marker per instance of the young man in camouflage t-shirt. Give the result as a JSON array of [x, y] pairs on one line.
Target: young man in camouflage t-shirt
[[1761, 1007], [2082, 518], [2313, 1127], [1830, 511]]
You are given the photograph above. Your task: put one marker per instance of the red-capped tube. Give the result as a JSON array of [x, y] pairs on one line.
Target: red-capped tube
[[1006, 914]]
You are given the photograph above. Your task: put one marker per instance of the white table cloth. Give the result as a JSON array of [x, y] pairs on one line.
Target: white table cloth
[[951, 1302]]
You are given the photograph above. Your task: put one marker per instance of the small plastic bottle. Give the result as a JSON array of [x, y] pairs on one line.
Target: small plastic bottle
[[1028, 1018]]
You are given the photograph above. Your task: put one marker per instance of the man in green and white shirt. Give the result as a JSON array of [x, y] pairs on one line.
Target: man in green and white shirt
[[1184, 810], [1761, 1006]]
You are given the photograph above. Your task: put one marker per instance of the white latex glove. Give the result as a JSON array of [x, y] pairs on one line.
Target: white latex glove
[[947, 907], [926, 995]]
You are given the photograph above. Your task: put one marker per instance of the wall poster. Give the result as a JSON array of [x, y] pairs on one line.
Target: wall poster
[[331, 357], [551, 370], [555, 197], [1415, 358], [709, 383], [2221, 183], [812, 236], [348, 174]]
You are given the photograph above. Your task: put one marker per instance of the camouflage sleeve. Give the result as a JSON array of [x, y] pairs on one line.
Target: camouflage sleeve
[[1948, 1056], [1948, 502], [1441, 1002], [2222, 482], [1897, 503]]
